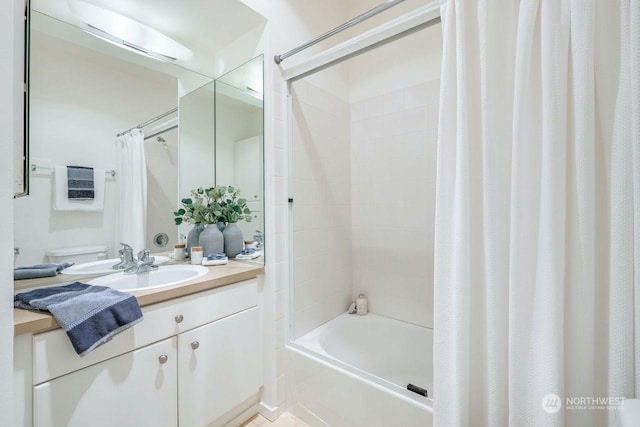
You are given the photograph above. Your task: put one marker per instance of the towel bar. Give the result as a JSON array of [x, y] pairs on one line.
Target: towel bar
[[35, 168]]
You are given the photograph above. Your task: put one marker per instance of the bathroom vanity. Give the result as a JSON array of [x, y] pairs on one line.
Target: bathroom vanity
[[193, 361]]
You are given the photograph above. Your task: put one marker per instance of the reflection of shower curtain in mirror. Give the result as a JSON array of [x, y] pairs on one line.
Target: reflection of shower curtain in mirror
[[132, 189]]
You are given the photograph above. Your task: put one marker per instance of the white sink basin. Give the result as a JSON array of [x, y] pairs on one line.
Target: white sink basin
[[101, 267], [163, 276]]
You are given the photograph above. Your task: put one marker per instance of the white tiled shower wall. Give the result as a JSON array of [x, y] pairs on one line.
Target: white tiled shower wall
[[364, 186], [393, 161], [392, 122], [322, 206]]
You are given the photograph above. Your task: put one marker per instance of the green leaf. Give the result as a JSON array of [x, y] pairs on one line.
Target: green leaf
[[242, 202], [246, 211], [187, 201], [181, 211], [248, 218], [178, 221], [230, 189]]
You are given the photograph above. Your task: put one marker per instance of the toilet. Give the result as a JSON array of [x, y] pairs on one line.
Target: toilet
[[77, 255]]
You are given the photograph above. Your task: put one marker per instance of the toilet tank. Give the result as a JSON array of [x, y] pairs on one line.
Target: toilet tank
[[78, 254]]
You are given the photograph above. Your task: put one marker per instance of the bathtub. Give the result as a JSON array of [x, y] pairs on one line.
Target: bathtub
[[354, 370]]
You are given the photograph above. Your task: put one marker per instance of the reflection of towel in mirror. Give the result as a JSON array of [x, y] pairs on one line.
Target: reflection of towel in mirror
[[40, 270], [91, 315], [80, 183], [61, 201], [254, 255]]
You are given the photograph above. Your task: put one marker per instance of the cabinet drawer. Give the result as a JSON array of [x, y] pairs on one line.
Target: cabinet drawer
[[53, 354]]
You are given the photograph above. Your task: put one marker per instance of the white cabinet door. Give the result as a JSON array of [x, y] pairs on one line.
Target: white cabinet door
[[134, 389], [218, 368]]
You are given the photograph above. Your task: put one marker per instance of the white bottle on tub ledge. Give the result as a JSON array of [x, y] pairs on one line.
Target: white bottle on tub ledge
[[361, 305]]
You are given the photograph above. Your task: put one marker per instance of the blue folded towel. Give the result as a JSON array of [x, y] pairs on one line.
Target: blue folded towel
[[80, 183], [39, 271], [91, 315]]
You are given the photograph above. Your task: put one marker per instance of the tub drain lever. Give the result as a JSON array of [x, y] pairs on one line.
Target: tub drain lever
[[419, 390]]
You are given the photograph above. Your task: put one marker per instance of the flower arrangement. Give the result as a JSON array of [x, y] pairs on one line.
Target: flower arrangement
[[212, 205]]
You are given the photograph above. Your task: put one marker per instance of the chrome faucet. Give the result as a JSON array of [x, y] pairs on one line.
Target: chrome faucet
[[126, 258], [144, 264]]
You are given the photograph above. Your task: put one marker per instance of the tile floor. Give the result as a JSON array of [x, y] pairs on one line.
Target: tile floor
[[284, 420]]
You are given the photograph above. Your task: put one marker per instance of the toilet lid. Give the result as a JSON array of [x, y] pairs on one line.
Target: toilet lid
[[78, 250]]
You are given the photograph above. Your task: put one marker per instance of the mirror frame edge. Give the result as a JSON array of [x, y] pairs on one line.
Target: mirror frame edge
[[25, 103]]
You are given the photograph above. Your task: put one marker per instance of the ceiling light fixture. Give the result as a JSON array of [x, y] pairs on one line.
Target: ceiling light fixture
[[126, 32]]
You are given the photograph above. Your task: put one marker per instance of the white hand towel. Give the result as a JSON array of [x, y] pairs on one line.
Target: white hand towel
[[61, 200]]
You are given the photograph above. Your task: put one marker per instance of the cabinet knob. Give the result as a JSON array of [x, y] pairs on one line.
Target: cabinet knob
[[163, 359], [179, 318], [195, 345]]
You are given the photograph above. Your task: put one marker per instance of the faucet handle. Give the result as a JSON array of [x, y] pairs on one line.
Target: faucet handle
[[144, 256], [125, 246]]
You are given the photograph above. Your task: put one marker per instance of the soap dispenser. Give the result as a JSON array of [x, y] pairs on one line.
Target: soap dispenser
[[361, 305]]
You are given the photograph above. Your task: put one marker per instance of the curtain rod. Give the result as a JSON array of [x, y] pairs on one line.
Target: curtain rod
[[363, 17], [148, 122], [160, 132]]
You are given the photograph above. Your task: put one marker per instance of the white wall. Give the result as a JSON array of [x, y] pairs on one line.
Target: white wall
[[11, 27], [405, 62], [197, 139], [235, 122], [393, 185], [290, 23], [293, 22], [390, 153], [162, 187], [322, 206], [80, 100], [394, 123]]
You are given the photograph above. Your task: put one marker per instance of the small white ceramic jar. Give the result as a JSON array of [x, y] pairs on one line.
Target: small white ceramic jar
[[362, 305], [179, 252], [196, 255]]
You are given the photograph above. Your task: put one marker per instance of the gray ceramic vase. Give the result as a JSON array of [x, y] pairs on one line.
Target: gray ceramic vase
[[233, 241], [193, 237], [211, 240]]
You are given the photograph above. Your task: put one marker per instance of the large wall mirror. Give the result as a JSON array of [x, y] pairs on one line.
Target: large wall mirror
[[230, 111], [239, 140], [85, 91]]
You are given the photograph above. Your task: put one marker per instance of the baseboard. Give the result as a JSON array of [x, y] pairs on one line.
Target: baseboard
[[239, 414], [269, 412]]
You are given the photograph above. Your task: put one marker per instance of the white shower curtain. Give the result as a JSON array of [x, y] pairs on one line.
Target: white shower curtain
[[132, 190], [537, 241]]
